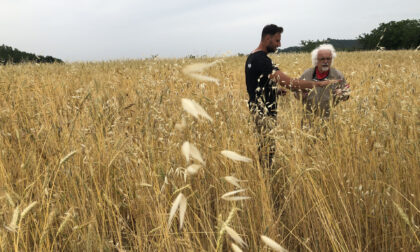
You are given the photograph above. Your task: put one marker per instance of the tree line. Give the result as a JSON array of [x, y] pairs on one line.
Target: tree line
[[394, 35], [9, 55]]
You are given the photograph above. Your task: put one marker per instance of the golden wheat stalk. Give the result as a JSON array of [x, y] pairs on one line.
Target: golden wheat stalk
[[195, 70], [13, 225], [28, 208], [235, 156], [235, 248], [179, 203], [190, 151], [235, 236], [67, 216], [234, 181], [272, 244], [64, 159], [194, 109]]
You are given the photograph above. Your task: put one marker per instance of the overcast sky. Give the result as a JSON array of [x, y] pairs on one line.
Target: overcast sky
[[92, 30]]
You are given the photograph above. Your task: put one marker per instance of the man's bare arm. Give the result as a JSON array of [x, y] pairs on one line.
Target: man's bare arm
[[285, 81]]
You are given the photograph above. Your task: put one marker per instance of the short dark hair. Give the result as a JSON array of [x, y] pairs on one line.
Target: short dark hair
[[271, 29]]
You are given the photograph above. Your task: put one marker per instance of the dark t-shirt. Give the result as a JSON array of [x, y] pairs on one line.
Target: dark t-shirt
[[262, 91]]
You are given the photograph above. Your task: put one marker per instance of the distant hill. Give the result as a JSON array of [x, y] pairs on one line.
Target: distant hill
[[345, 44], [291, 49], [13, 55], [339, 45]]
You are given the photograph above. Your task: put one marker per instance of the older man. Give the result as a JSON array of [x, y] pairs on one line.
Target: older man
[[318, 101]]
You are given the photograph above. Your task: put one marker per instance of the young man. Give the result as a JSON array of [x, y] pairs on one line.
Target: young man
[[262, 81]]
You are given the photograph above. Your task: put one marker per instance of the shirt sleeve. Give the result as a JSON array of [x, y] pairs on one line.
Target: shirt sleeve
[[265, 66]]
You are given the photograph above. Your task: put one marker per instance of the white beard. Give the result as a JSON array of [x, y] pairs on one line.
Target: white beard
[[325, 68]]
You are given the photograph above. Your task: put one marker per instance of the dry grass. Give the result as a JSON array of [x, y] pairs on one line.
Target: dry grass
[[97, 146]]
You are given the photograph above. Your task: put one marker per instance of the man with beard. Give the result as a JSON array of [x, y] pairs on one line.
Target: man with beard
[[264, 82], [318, 101]]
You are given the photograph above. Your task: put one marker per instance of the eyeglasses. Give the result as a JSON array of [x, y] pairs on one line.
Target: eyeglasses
[[327, 59]]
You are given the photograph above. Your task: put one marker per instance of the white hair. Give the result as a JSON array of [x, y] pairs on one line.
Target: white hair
[[314, 53]]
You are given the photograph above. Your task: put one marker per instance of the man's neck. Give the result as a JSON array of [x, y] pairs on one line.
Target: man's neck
[[261, 47]]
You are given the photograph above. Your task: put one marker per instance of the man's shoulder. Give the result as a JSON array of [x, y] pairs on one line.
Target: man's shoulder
[[259, 61], [308, 73], [259, 55], [309, 70], [334, 73]]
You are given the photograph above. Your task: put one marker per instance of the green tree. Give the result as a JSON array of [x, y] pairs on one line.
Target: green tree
[[10, 55], [393, 35], [309, 45]]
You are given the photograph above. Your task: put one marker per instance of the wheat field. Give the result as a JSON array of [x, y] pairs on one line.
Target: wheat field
[[91, 159]]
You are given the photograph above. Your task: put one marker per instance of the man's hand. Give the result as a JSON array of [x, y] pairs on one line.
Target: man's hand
[[343, 92]]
